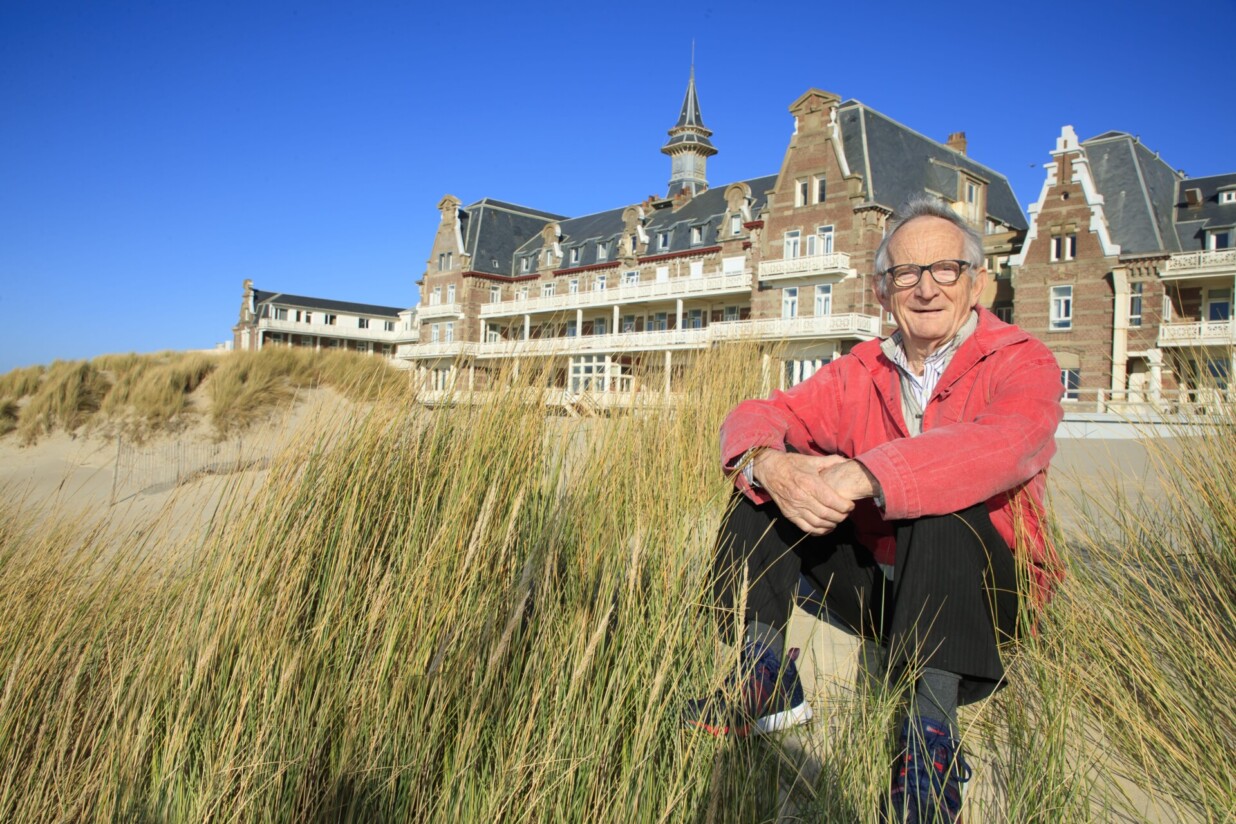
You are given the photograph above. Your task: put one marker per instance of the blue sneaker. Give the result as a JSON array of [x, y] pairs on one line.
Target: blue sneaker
[[927, 775], [772, 697]]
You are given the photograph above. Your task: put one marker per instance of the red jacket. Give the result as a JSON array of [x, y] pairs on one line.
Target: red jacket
[[988, 434]]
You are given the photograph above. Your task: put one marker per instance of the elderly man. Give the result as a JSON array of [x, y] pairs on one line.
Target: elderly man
[[903, 481]]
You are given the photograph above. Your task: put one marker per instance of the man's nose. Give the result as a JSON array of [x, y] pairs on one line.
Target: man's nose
[[926, 288]]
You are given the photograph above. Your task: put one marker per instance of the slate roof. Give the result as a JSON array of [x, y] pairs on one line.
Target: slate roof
[[897, 162], [492, 230], [301, 302], [705, 210], [1139, 193], [1192, 222]]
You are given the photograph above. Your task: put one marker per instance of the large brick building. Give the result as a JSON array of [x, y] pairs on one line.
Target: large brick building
[[1127, 272], [622, 299]]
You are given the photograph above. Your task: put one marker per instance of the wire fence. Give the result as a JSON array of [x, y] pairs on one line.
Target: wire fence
[[141, 467]]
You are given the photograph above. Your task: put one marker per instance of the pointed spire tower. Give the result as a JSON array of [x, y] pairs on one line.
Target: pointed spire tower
[[689, 147]]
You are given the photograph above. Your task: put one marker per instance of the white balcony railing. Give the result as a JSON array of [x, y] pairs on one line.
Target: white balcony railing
[[1200, 264], [835, 327], [434, 350], [375, 332], [828, 326], [1198, 333], [837, 263], [681, 287], [438, 310]]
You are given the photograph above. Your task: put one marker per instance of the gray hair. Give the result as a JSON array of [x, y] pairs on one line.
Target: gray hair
[[926, 206]]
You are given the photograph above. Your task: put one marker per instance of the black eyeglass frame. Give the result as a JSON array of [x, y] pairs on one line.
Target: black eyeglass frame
[[962, 266]]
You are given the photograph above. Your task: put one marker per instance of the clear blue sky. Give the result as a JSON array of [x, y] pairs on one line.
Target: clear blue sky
[[155, 154]]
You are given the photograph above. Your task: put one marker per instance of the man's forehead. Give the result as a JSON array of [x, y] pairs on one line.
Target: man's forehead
[[927, 228]]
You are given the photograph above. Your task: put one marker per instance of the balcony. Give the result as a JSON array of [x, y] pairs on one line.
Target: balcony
[[1210, 263], [596, 344], [802, 268], [1198, 333], [428, 351], [375, 332], [439, 310], [682, 287], [829, 326]]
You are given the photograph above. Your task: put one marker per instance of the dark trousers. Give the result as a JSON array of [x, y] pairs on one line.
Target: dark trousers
[[951, 603]]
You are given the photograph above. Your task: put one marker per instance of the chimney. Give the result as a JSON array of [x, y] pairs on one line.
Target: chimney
[[957, 141]]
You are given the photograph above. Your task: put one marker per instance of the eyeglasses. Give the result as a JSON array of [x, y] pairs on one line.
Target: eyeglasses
[[943, 272]]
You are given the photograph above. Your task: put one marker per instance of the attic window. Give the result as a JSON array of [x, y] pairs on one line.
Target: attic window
[[662, 241], [525, 264], [1227, 197], [697, 235], [602, 250]]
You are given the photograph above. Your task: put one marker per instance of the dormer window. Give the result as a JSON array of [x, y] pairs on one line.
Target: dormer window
[[697, 235], [602, 250], [662, 241], [1227, 197], [574, 255], [525, 265]]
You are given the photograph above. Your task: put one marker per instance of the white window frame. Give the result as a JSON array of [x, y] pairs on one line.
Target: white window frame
[[573, 286], [695, 319], [450, 331], [388, 326], [663, 241], [525, 265], [495, 294], [1227, 197], [697, 235], [1215, 298], [789, 303], [730, 313], [330, 319], [735, 225], [628, 323], [362, 323], [820, 243], [598, 285], [793, 244], [450, 293], [1212, 239], [547, 290], [435, 297], [823, 299], [1072, 393], [802, 191], [602, 250], [600, 326], [1060, 312], [434, 333], [821, 185], [574, 255], [281, 313], [630, 277]]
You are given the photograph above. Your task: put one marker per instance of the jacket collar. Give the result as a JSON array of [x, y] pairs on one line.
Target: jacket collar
[[992, 334]]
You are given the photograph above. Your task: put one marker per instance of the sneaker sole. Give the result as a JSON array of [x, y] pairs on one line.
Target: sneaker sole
[[778, 721]]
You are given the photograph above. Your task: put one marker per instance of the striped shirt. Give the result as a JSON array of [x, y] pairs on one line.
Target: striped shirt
[[916, 390]]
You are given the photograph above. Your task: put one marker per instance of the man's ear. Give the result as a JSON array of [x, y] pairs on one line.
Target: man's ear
[[875, 289], [980, 283]]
